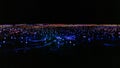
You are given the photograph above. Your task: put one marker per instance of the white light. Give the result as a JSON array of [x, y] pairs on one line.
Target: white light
[[11, 37], [84, 36], [26, 42], [73, 44], [4, 41]]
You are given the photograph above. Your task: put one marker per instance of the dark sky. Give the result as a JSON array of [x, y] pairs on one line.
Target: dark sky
[[60, 12]]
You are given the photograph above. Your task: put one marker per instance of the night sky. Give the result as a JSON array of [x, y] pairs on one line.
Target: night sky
[[59, 12]]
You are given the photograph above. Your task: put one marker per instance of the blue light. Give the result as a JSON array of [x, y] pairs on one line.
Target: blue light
[[89, 39], [106, 44], [58, 37], [21, 37], [45, 39], [29, 39], [70, 37], [34, 40], [55, 40]]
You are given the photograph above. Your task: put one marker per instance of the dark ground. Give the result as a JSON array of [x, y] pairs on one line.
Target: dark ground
[[97, 56]]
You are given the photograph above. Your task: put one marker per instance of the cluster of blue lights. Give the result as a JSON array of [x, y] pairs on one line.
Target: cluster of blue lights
[[54, 37]]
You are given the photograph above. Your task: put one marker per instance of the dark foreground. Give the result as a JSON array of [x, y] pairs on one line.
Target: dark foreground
[[97, 56]]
